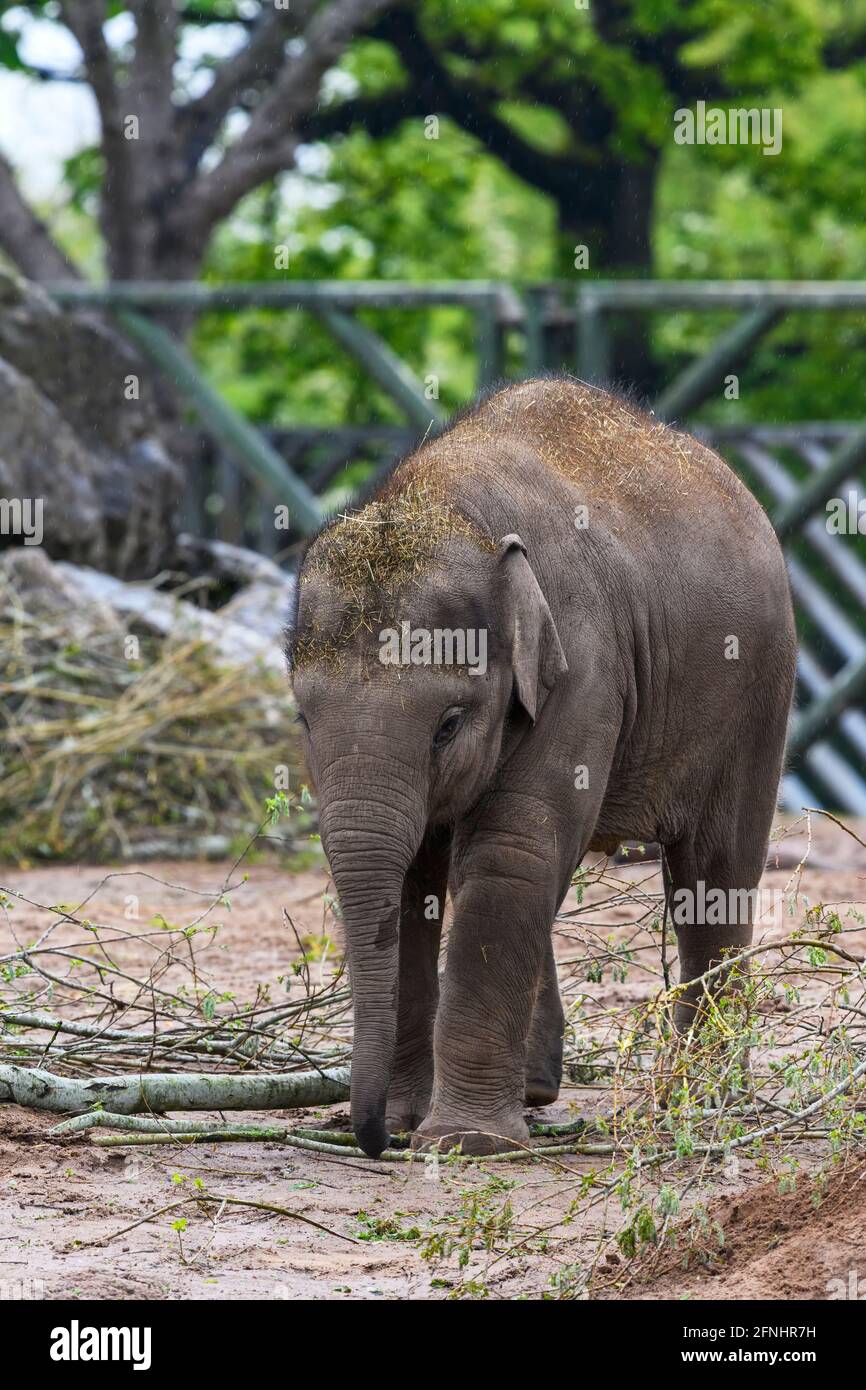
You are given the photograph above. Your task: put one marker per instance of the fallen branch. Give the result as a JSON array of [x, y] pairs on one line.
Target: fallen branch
[[121, 1095], [295, 1141], [225, 1201], [140, 1131]]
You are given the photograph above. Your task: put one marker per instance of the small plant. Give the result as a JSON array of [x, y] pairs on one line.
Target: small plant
[[277, 807], [384, 1227]]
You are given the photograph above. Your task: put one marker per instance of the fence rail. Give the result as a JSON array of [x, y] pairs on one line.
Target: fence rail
[[246, 469]]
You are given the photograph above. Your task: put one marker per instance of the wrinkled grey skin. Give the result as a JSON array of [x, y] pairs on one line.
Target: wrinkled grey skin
[[607, 650]]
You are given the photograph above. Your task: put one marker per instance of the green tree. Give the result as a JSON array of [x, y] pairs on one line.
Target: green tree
[[170, 167]]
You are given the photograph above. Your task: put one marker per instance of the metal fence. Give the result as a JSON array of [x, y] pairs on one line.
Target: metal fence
[[241, 471]]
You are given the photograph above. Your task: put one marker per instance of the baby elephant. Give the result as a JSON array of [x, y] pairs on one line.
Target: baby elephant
[[559, 625]]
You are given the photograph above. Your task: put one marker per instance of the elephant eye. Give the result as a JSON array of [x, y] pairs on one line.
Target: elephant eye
[[299, 719], [448, 728]]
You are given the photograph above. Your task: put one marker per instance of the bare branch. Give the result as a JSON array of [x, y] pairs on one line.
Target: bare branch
[[85, 20], [258, 62], [152, 77], [269, 143], [376, 115], [155, 166], [25, 238]]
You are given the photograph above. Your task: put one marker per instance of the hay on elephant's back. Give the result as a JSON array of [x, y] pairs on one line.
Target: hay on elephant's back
[[102, 752]]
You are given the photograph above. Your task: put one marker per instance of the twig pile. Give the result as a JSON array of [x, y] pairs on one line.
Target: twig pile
[[775, 1075], [78, 1001], [107, 744]]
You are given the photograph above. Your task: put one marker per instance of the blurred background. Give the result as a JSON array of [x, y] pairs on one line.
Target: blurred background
[[251, 253]]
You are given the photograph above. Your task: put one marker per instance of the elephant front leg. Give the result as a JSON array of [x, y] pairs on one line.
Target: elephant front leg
[[495, 958], [421, 914]]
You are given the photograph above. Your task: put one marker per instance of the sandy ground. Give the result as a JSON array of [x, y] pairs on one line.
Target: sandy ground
[[63, 1202]]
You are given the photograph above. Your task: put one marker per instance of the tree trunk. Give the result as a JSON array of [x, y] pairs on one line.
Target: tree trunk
[[629, 255], [619, 241]]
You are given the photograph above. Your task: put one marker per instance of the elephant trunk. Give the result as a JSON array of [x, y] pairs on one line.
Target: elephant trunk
[[370, 843]]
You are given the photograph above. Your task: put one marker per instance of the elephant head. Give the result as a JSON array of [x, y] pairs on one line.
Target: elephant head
[[404, 730]]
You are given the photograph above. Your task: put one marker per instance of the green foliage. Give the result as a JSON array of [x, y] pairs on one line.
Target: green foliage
[[406, 207], [399, 208], [594, 89]]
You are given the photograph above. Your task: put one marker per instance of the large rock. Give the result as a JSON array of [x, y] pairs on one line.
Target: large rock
[[33, 584], [73, 434], [247, 630], [41, 457]]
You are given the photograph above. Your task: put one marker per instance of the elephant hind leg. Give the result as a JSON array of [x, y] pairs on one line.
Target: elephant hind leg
[[544, 1048], [712, 908], [712, 876]]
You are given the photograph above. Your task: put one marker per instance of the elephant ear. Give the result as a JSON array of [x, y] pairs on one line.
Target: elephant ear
[[537, 657]]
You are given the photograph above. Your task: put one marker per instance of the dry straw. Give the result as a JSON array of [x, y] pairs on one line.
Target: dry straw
[[378, 552], [100, 753]]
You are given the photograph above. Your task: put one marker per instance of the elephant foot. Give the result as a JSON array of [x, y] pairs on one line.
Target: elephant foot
[[408, 1103], [540, 1092], [691, 1010], [495, 1136], [403, 1117]]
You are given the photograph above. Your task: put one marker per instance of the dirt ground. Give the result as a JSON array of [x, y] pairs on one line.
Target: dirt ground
[[64, 1204]]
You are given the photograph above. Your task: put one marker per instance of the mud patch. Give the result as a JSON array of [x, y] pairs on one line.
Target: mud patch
[[765, 1244]]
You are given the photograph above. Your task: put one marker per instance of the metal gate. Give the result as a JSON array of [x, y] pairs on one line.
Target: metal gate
[[796, 469]]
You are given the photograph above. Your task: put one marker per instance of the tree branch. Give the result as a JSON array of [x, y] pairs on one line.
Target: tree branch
[[85, 20], [376, 115], [25, 238], [269, 143], [152, 76], [257, 62], [569, 179]]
